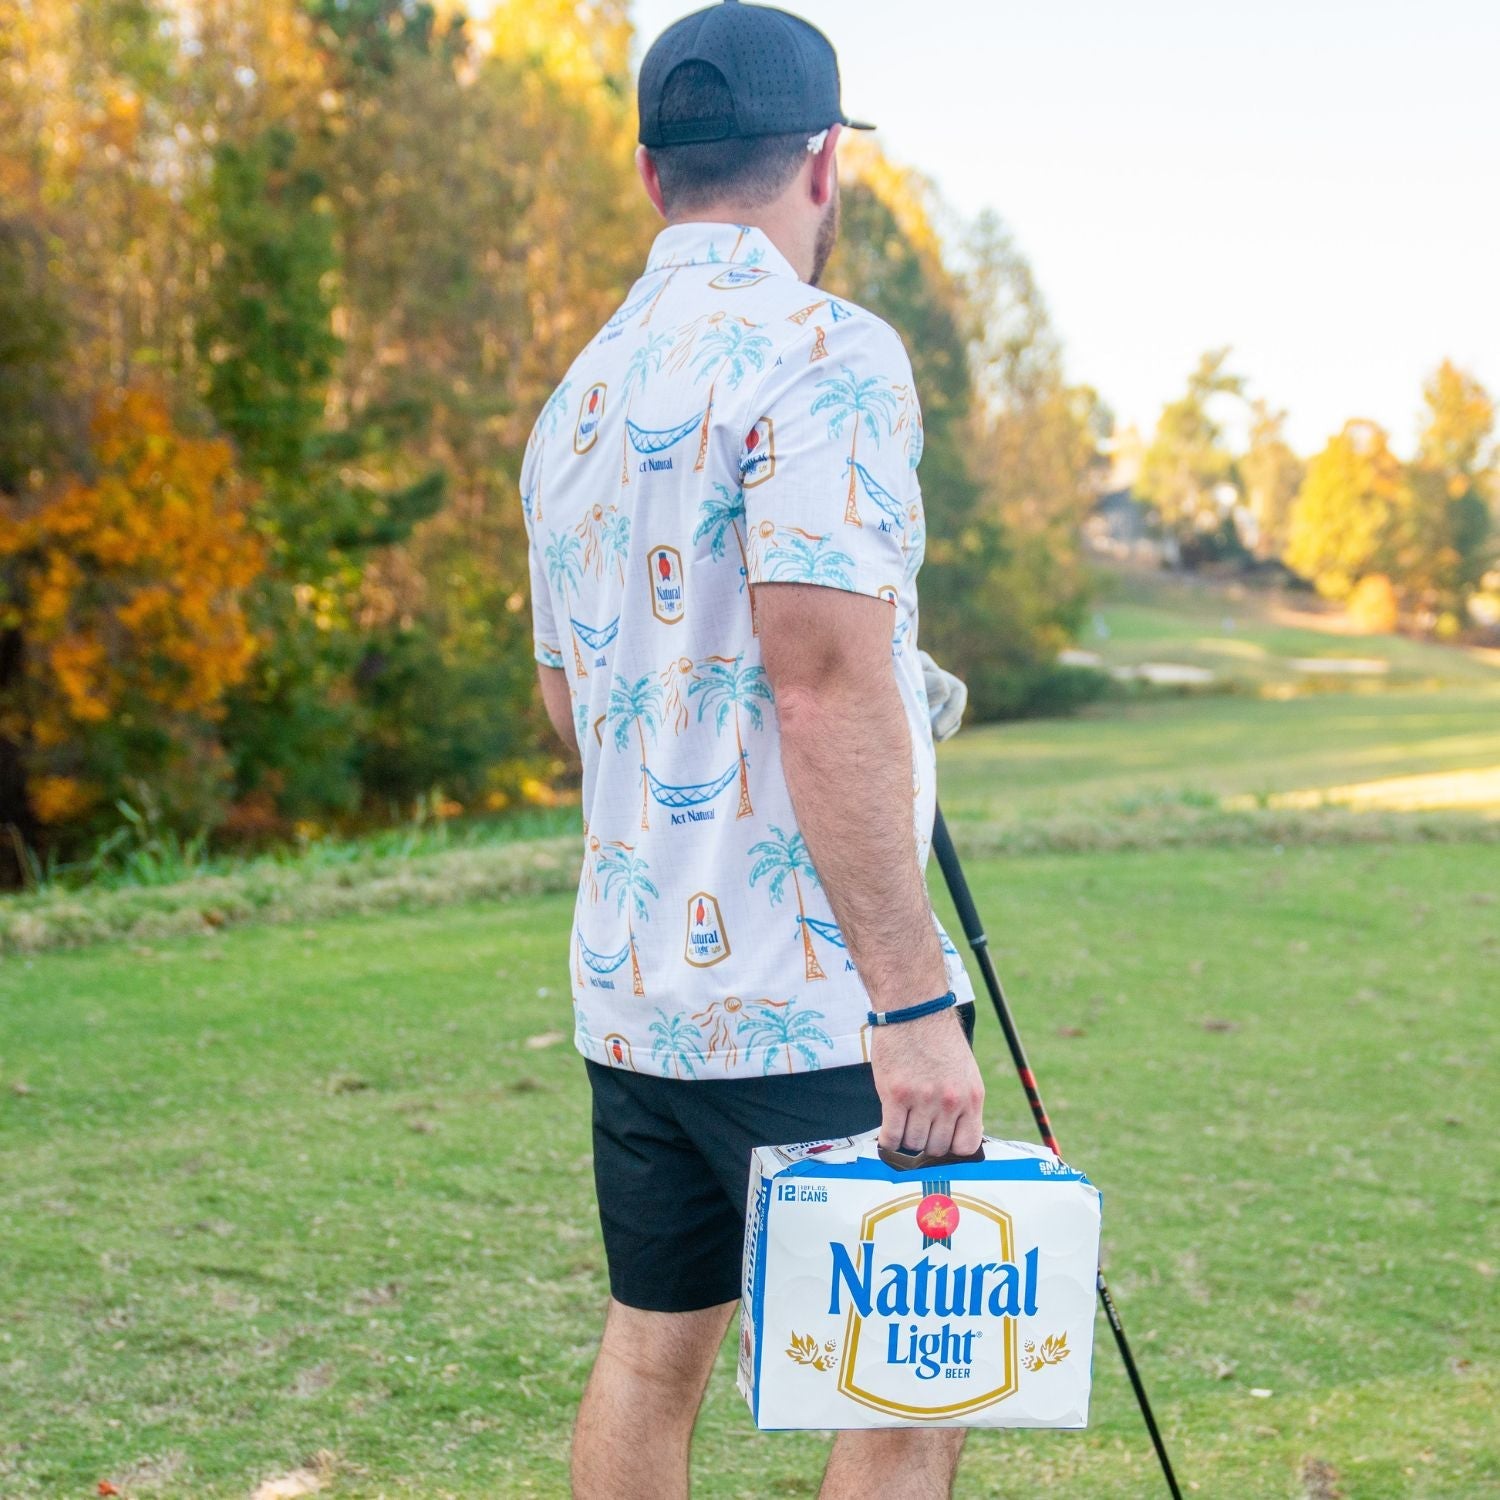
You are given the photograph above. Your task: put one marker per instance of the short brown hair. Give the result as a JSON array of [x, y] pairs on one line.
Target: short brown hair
[[753, 170]]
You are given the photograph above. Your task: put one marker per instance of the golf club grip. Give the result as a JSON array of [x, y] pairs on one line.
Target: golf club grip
[[958, 887]]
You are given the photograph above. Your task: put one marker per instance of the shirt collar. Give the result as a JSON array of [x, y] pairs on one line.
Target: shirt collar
[[701, 244]]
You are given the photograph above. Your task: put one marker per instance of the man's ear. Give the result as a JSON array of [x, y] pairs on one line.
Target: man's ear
[[647, 168], [824, 172]]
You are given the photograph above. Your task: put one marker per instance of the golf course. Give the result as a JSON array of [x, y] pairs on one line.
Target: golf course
[[295, 1187]]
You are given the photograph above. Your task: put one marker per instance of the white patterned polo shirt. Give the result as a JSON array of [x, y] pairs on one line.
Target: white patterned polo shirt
[[729, 425]]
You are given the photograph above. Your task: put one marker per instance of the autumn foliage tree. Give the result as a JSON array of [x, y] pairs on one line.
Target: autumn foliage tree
[[125, 591], [1423, 529], [1341, 523], [283, 284]]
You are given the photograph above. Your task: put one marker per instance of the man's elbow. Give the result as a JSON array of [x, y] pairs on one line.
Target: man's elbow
[[803, 711]]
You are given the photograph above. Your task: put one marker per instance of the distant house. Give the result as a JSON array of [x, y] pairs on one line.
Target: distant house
[[1124, 528]]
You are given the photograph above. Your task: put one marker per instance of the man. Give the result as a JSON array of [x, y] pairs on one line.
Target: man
[[725, 531]]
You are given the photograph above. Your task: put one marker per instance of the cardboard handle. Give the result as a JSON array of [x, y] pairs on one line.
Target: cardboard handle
[[918, 1161]]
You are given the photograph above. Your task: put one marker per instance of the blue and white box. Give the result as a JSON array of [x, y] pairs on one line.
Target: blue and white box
[[953, 1296]]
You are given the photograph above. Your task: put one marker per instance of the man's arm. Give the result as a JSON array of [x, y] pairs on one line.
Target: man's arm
[[558, 703], [847, 756]]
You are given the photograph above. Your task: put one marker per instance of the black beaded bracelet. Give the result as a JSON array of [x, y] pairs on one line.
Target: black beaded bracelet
[[913, 1012]]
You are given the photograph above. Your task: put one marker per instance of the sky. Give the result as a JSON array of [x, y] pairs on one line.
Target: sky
[[1313, 182]]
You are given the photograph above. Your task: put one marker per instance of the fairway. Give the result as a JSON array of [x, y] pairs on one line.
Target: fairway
[[290, 1191]]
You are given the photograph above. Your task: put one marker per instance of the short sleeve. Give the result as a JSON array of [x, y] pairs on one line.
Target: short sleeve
[[546, 643], [828, 462]]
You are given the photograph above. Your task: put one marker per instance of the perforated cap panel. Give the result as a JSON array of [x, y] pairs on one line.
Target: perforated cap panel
[[782, 73]]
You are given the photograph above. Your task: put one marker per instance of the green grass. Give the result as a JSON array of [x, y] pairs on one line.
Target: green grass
[[313, 1187], [1250, 640], [297, 1189], [1215, 747]]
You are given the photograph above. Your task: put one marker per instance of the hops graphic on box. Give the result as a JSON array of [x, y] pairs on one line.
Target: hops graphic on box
[[1053, 1351], [950, 1301], [805, 1350]]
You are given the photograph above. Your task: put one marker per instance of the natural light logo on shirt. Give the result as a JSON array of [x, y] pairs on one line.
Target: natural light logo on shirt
[[738, 277], [666, 584], [707, 942], [758, 462], [590, 414]]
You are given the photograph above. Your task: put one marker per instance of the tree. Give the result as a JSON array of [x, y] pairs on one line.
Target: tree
[[1272, 474], [1443, 541], [1008, 449], [1341, 521], [125, 594], [1188, 466]]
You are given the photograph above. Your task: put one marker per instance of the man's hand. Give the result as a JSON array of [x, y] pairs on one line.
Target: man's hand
[[947, 697], [931, 1092]]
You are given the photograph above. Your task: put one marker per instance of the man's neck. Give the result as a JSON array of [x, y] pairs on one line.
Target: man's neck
[[776, 228]]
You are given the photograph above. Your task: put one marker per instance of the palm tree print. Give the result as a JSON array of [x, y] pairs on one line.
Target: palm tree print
[[732, 348], [617, 537], [644, 363], [721, 515], [727, 687], [779, 857], [636, 705], [564, 569], [675, 1045], [729, 347], [800, 557], [778, 1026], [623, 872], [552, 411], [848, 399]]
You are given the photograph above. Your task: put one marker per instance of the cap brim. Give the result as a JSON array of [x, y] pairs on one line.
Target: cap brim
[[859, 125]]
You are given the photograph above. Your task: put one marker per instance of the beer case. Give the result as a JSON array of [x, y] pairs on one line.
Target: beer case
[[959, 1295]]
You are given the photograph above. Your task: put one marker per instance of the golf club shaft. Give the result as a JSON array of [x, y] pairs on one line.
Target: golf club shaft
[[968, 916]]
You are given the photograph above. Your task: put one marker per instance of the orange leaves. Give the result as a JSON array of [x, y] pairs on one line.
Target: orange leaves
[[131, 585], [59, 799]]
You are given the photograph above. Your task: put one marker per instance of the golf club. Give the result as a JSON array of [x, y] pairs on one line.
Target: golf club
[[968, 916]]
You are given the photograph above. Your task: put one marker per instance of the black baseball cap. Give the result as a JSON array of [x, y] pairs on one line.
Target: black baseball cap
[[781, 72]]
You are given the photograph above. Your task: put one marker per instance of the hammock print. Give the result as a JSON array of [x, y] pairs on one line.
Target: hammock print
[[601, 963], [630, 309], [828, 931], [689, 796], [596, 639], [880, 495], [658, 440]]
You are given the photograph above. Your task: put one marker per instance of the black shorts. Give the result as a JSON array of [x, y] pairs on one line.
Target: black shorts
[[672, 1168]]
